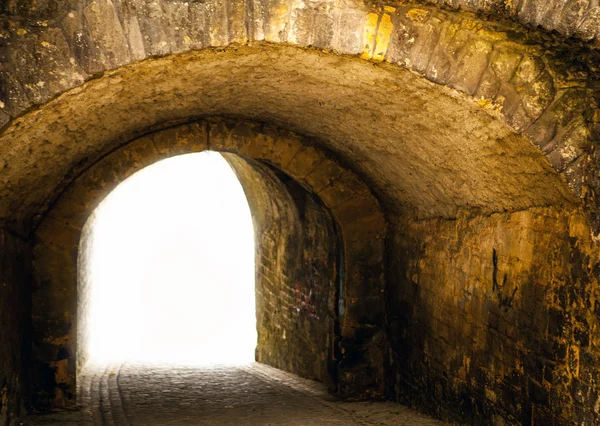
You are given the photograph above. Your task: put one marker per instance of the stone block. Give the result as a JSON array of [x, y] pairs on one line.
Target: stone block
[[237, 19], [323, 175], [285, 149], [106, 33], [304, 162]]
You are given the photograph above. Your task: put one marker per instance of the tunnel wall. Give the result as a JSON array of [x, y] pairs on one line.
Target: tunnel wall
[[359, 351], [494, 319], [84, 293], [350, 202], [543, 86], [295, 273], [15, 339]]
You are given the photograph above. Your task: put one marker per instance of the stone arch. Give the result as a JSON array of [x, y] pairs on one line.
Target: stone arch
[[543, 87], [311, 93], [571, 18], [479, 139], [355, 209]]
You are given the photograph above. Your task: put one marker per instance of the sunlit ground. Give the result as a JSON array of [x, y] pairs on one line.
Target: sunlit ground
[[173, 267]]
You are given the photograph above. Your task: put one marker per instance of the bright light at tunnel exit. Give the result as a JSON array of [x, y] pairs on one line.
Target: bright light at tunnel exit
[[172, 266]]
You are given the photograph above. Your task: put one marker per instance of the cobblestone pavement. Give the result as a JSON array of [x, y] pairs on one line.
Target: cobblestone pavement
[[132, 394]]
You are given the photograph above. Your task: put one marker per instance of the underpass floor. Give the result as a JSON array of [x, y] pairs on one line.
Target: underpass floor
[[136, 394]]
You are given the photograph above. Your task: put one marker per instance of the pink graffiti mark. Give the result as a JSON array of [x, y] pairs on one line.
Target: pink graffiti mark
[[306, 300]]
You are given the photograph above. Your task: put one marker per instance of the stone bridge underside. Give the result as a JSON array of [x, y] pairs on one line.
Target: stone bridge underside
[[472, 127]]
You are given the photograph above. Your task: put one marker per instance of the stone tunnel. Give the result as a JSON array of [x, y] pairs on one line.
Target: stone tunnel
[[436, 161]]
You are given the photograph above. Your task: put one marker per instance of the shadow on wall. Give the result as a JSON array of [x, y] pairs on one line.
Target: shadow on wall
[[15, 326], [296, 275], [493, 319]]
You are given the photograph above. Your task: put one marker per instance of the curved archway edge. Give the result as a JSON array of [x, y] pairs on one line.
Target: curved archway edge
[[521, 77], [355, 209]]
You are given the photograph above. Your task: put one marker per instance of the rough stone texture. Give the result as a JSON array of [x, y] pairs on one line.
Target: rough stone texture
[[296, 274], [453, 154], [15, 330], [466, 130], [147, 395], [571, 18], [545, 88], [84, 292], [342, 196], [465, 343], [494, 320]]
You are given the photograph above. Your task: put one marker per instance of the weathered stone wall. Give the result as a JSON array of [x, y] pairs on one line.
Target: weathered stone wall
[[296, 273], [54, 307], [543, 86], [347, 198], [439, 110], [572, 18], [494, 319], [15, 326], [84, 292]]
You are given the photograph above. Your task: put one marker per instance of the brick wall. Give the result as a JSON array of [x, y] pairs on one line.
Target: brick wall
[[494, 319], [295, 274]]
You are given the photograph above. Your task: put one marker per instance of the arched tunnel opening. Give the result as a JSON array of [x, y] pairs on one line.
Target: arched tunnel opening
[[423, 185], [300, 259], [323, 309], [166, 268], [214, 238], [171, 272]]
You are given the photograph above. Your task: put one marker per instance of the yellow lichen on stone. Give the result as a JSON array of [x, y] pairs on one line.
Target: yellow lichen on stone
[[279, 16], [484, 103], [369, 33], [418, 15], [492, 35], [470, 24], [573, 361], [384, 33], [490, 104]]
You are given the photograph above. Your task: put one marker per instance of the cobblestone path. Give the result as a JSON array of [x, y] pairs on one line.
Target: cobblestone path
[[133, 394]]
